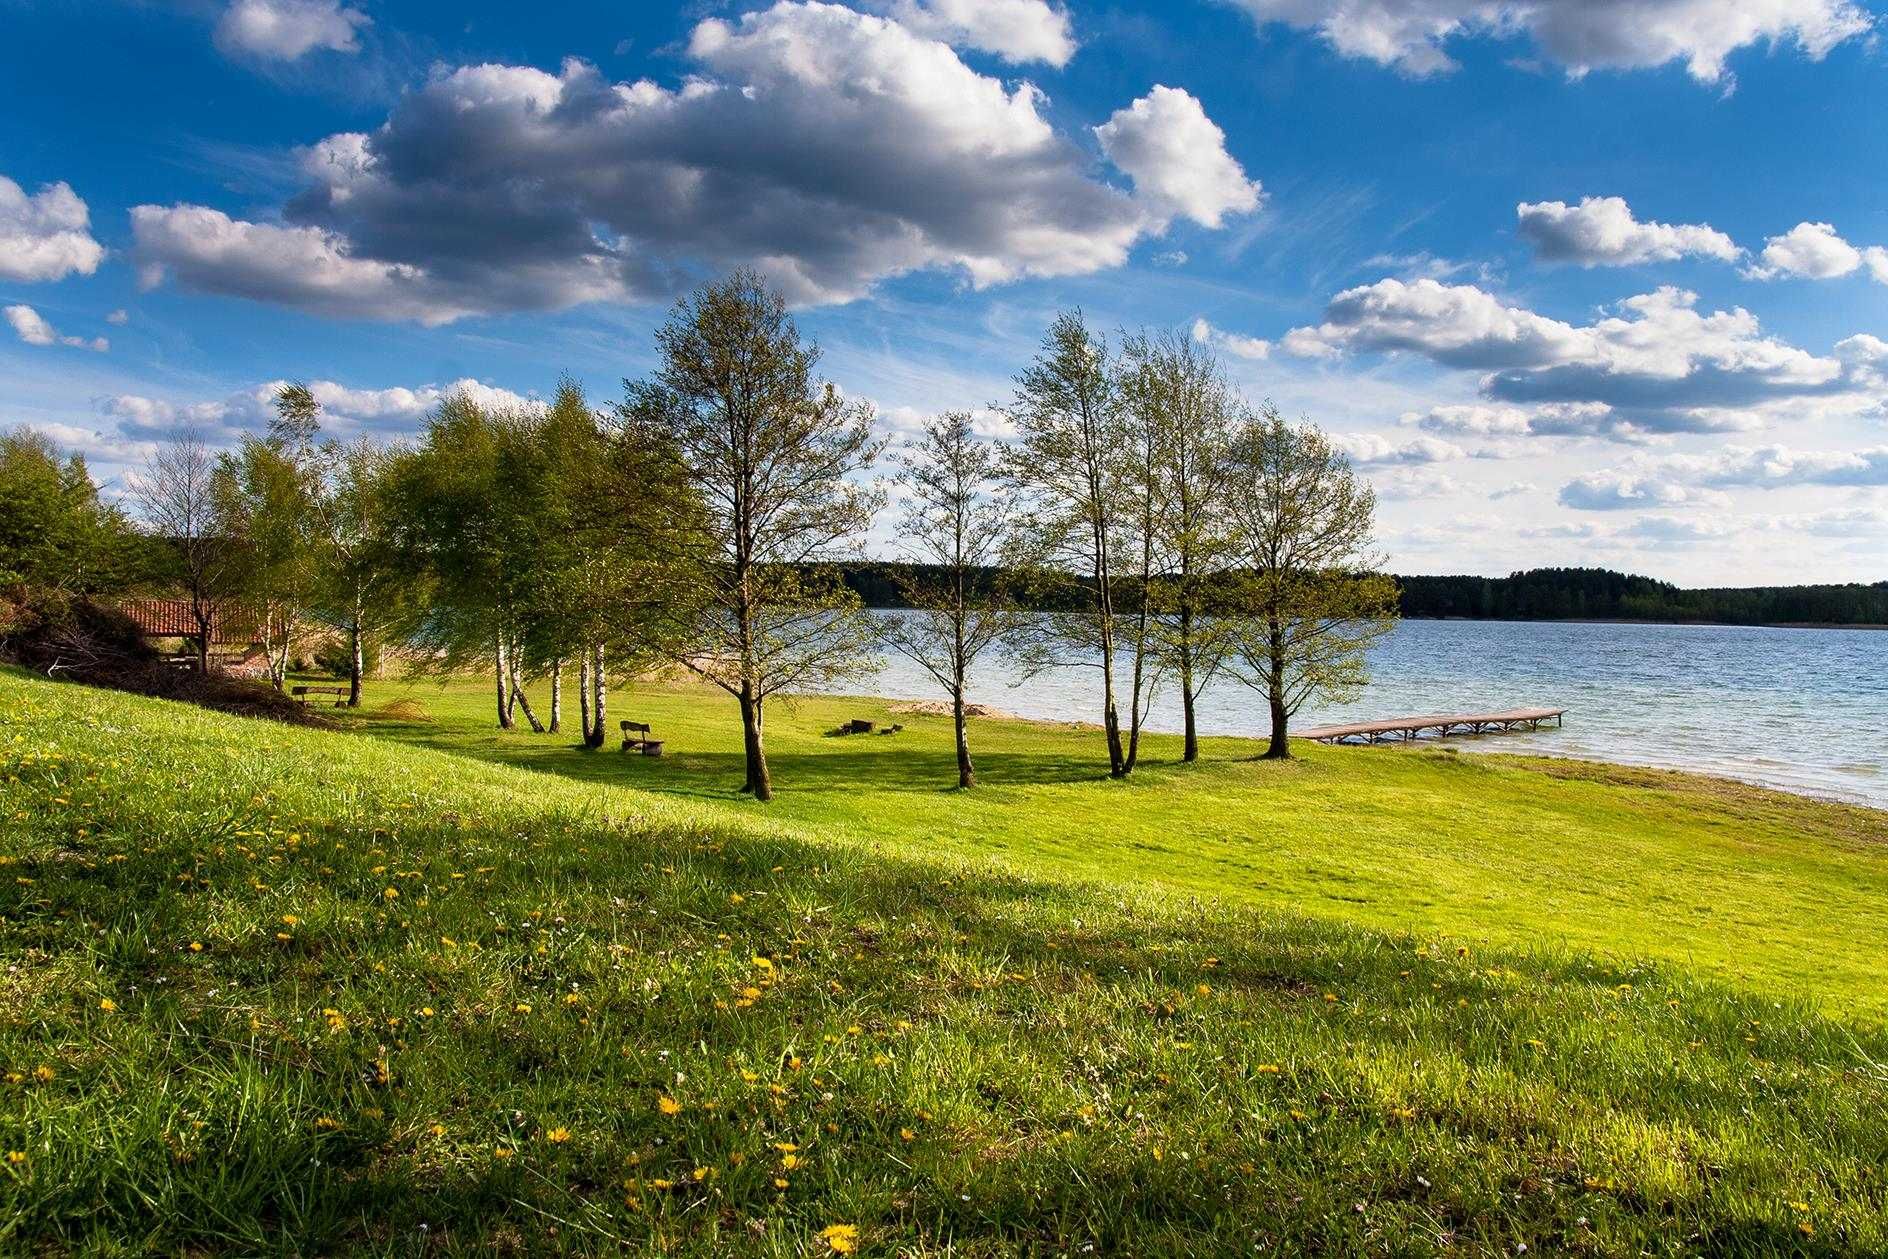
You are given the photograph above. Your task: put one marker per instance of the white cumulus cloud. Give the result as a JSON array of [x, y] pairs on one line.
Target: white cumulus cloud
[[33, 329], [45, 236], [1018, 31], [396, 410], [1656, 365], [1814, 251], [1602, 232], [1579, 35], [1177, 158], [1236, 344], [833, 149], [287, 30]]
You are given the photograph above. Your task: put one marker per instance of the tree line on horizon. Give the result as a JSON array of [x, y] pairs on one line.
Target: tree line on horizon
[[1146, 520], [1540, 594]]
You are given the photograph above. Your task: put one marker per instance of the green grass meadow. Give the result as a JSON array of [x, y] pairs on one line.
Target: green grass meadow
[[414, 987], [1761, 888]]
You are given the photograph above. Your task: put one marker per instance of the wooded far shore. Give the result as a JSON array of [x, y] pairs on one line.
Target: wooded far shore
[[1553, 594]]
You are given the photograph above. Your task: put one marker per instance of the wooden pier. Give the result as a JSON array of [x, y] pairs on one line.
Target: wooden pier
[[1408, 728]]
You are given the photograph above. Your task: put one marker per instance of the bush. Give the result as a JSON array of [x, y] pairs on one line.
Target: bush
[[335, 657]]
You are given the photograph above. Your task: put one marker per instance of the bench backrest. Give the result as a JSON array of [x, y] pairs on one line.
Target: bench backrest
[[639, 726]]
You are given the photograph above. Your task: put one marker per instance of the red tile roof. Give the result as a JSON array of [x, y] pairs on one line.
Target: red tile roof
[[170, 618]]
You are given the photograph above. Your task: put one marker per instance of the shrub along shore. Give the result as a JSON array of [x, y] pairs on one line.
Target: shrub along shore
[[306, 991]]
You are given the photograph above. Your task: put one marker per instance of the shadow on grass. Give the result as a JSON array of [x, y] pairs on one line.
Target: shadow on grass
[[878, 762]]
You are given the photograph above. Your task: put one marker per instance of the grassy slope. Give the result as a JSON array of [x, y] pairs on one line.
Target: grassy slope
[[418, 972], [1786, 894]]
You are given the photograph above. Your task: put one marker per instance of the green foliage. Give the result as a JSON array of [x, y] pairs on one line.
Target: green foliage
[[56, 534], [591, 1020], [767, 453], [1308, 596], [1599, 594]]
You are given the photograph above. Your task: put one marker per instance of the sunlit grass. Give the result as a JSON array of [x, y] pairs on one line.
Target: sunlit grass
[[1780, 893], [301, 992]]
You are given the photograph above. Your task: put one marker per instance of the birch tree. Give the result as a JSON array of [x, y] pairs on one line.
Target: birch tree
[[1066, 412], [956, 526], [465, 541], [768, 451], [1184, 411], [359, 583], [1312, 598]]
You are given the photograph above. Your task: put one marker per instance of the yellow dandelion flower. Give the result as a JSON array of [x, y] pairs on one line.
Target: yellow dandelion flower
[[668, 1105], [763, 963], [108, 1005], [843, 1238], [789, 1161], [16, 1157], [780, 1182], [906, 1134], [43, 1073], [196, 946], [438, 1129], [392, 894], [501, 1151], [1204, 989], [290, 920], [557, 1136], [523, 1007]]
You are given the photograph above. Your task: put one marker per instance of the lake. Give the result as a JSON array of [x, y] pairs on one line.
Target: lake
[[1804, 710]]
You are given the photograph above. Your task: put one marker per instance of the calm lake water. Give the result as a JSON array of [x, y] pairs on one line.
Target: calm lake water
[[1803, 710]]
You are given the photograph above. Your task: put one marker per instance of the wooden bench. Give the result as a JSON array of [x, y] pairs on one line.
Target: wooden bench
[[303, 692], [636, 735]]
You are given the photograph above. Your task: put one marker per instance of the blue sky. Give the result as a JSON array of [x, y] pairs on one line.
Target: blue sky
[[1574, 281]]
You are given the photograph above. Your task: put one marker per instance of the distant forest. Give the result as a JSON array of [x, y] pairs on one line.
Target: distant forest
[[1557, 594]]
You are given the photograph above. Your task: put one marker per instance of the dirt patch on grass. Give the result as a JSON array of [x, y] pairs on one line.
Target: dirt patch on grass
[[942, 708], [404, 709]]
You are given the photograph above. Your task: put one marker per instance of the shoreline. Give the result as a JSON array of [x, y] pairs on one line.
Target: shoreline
[[1459, 745]]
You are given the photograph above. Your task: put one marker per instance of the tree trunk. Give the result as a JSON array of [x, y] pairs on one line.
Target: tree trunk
[[357, 664], [557, 694], [966, 775], [757, 780], [1134, 711], [203, 618], [599, 696], [1280, 748], [498, 658], [1191, 751], [524, 701], [583, 693]]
